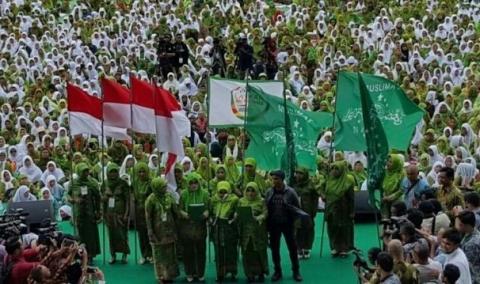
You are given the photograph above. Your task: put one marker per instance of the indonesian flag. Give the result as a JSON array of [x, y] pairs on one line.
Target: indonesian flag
[[179, 117], [143, 106], [85, 113], [168, 138], [116, 104]]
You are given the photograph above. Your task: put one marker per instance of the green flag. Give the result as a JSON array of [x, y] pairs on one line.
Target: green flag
[[397, 113], [377, 144], [266, 121]]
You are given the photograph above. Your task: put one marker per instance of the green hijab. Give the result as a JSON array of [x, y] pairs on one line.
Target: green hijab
[[255, 202], [159, 198], [337, 186], [394, 175], [204, 169], [194, 197], [231, 169], [223, 206]]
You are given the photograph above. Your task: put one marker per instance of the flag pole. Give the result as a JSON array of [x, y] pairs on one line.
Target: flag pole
[[330, 159], [244, 142], [70, 152], [132, 194], [208, 166], [102, 161], [288, 133]]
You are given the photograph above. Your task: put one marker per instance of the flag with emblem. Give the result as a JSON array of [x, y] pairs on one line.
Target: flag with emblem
[[277, 128], [396, 112], [377, 144]]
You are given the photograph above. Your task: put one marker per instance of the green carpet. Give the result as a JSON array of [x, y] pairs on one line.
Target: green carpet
[[317, 269]]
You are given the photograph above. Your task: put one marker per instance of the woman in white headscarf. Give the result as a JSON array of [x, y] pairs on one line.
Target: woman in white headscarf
[[23, 194], [465, 175], [469, 137], [324, 143], [434, 154], [52, 170], [296, 82], [55, 189], [187, 88], [153, 163], [62, 135], [461, 154], [171, 84], [30, 170], [187, 165], [7, 180], [432, 177], [126, 169]]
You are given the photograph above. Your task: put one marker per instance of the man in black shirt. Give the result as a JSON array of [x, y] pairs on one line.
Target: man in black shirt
[[181, 53], [166, 54], [282, 203]]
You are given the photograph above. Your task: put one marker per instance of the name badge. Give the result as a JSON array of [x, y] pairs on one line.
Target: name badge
[[111, 202], [164, 217], [83, 190]]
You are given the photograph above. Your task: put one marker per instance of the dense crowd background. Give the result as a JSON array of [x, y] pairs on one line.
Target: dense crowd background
[[430, 48]]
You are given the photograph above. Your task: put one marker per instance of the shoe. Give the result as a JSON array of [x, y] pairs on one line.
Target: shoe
[[142, 261], [189, 279], [149, 259], [343, 254], [306, 254], [201, 279], [297, 277], [334, 253], [112, 261], [277, 276]]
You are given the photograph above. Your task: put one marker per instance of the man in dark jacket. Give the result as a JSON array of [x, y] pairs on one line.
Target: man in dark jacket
[[282, 203]]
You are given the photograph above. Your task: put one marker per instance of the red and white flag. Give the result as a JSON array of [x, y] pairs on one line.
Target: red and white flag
[[116, 104], [85, 112], [181, 120], [143, 106], [168, 138]]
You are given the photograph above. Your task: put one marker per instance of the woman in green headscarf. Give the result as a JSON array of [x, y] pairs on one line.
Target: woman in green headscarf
[[359, 173], [141, 190], [160, 213], [339, 208], [424, 163], [85, 199], [308, 194], [139, 154], [194, 204], [253, 234], [116, 203], [232, 170], [249, 175], [392, 190], [205, 170], [443, 146], [224, 230], [220, 175]]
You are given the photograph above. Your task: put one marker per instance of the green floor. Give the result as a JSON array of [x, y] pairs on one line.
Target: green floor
[[315, 270]]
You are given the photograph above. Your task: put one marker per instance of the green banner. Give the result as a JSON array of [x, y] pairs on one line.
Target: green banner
[[396, 112], [266, 121]]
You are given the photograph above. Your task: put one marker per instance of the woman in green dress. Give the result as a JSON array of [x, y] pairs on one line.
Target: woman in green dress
[[141, 190], [160, 212], [253, 234], [392, 191], [116, 209], [308, 195], [220, 175], [224, 230], [193, 227], [232, 170], [84, 196], [339, 208]]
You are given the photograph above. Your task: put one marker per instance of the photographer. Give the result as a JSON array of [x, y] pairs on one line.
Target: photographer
[[165, 54], [19, 262], [244, 53], [181, 53], [218, 55]]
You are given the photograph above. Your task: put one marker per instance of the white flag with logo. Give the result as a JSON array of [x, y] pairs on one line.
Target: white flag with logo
[[228, 99]]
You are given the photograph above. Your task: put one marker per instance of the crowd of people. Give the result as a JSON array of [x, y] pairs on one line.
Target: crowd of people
[[430, 202]]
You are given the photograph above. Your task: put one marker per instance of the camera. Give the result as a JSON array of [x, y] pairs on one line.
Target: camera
[[391, 227]]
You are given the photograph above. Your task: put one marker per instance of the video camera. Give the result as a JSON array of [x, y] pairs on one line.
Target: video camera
[[13, 224], [391, 227]]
